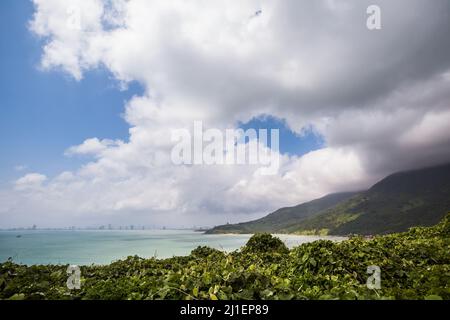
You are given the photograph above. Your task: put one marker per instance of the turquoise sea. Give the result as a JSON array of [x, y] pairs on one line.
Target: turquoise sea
[[105, 246]]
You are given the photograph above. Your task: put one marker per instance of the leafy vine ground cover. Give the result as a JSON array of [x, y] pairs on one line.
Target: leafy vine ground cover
[[414, 265]]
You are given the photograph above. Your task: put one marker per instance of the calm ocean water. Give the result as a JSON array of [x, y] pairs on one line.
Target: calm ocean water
[[103, 247]]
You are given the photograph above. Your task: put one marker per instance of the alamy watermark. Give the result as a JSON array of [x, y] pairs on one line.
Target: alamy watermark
[[374, 18], [227, 147], [74, 279], [74, 18], [374, 280]]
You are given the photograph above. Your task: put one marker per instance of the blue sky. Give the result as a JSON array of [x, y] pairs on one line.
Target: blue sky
[[290, 142], [43, 113], [381, 101]]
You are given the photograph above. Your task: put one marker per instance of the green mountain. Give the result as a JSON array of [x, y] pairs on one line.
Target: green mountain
[[396, 203], [282, 219]]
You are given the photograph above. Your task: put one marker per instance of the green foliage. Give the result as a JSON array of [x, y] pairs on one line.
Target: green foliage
[[204, 252], [265, 243], [414, 265]]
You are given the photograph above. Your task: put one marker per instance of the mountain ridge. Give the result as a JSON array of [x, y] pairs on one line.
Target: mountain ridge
[[419, 197], [269, 223]]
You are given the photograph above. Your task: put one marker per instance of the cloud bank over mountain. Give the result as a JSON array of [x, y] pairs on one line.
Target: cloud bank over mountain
[[380, 100]]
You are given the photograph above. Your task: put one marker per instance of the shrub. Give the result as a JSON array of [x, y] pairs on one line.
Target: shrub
[[204, 252], [265, 243]]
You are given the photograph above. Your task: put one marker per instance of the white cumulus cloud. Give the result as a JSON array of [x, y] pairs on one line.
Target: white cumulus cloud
[[379, 99]]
